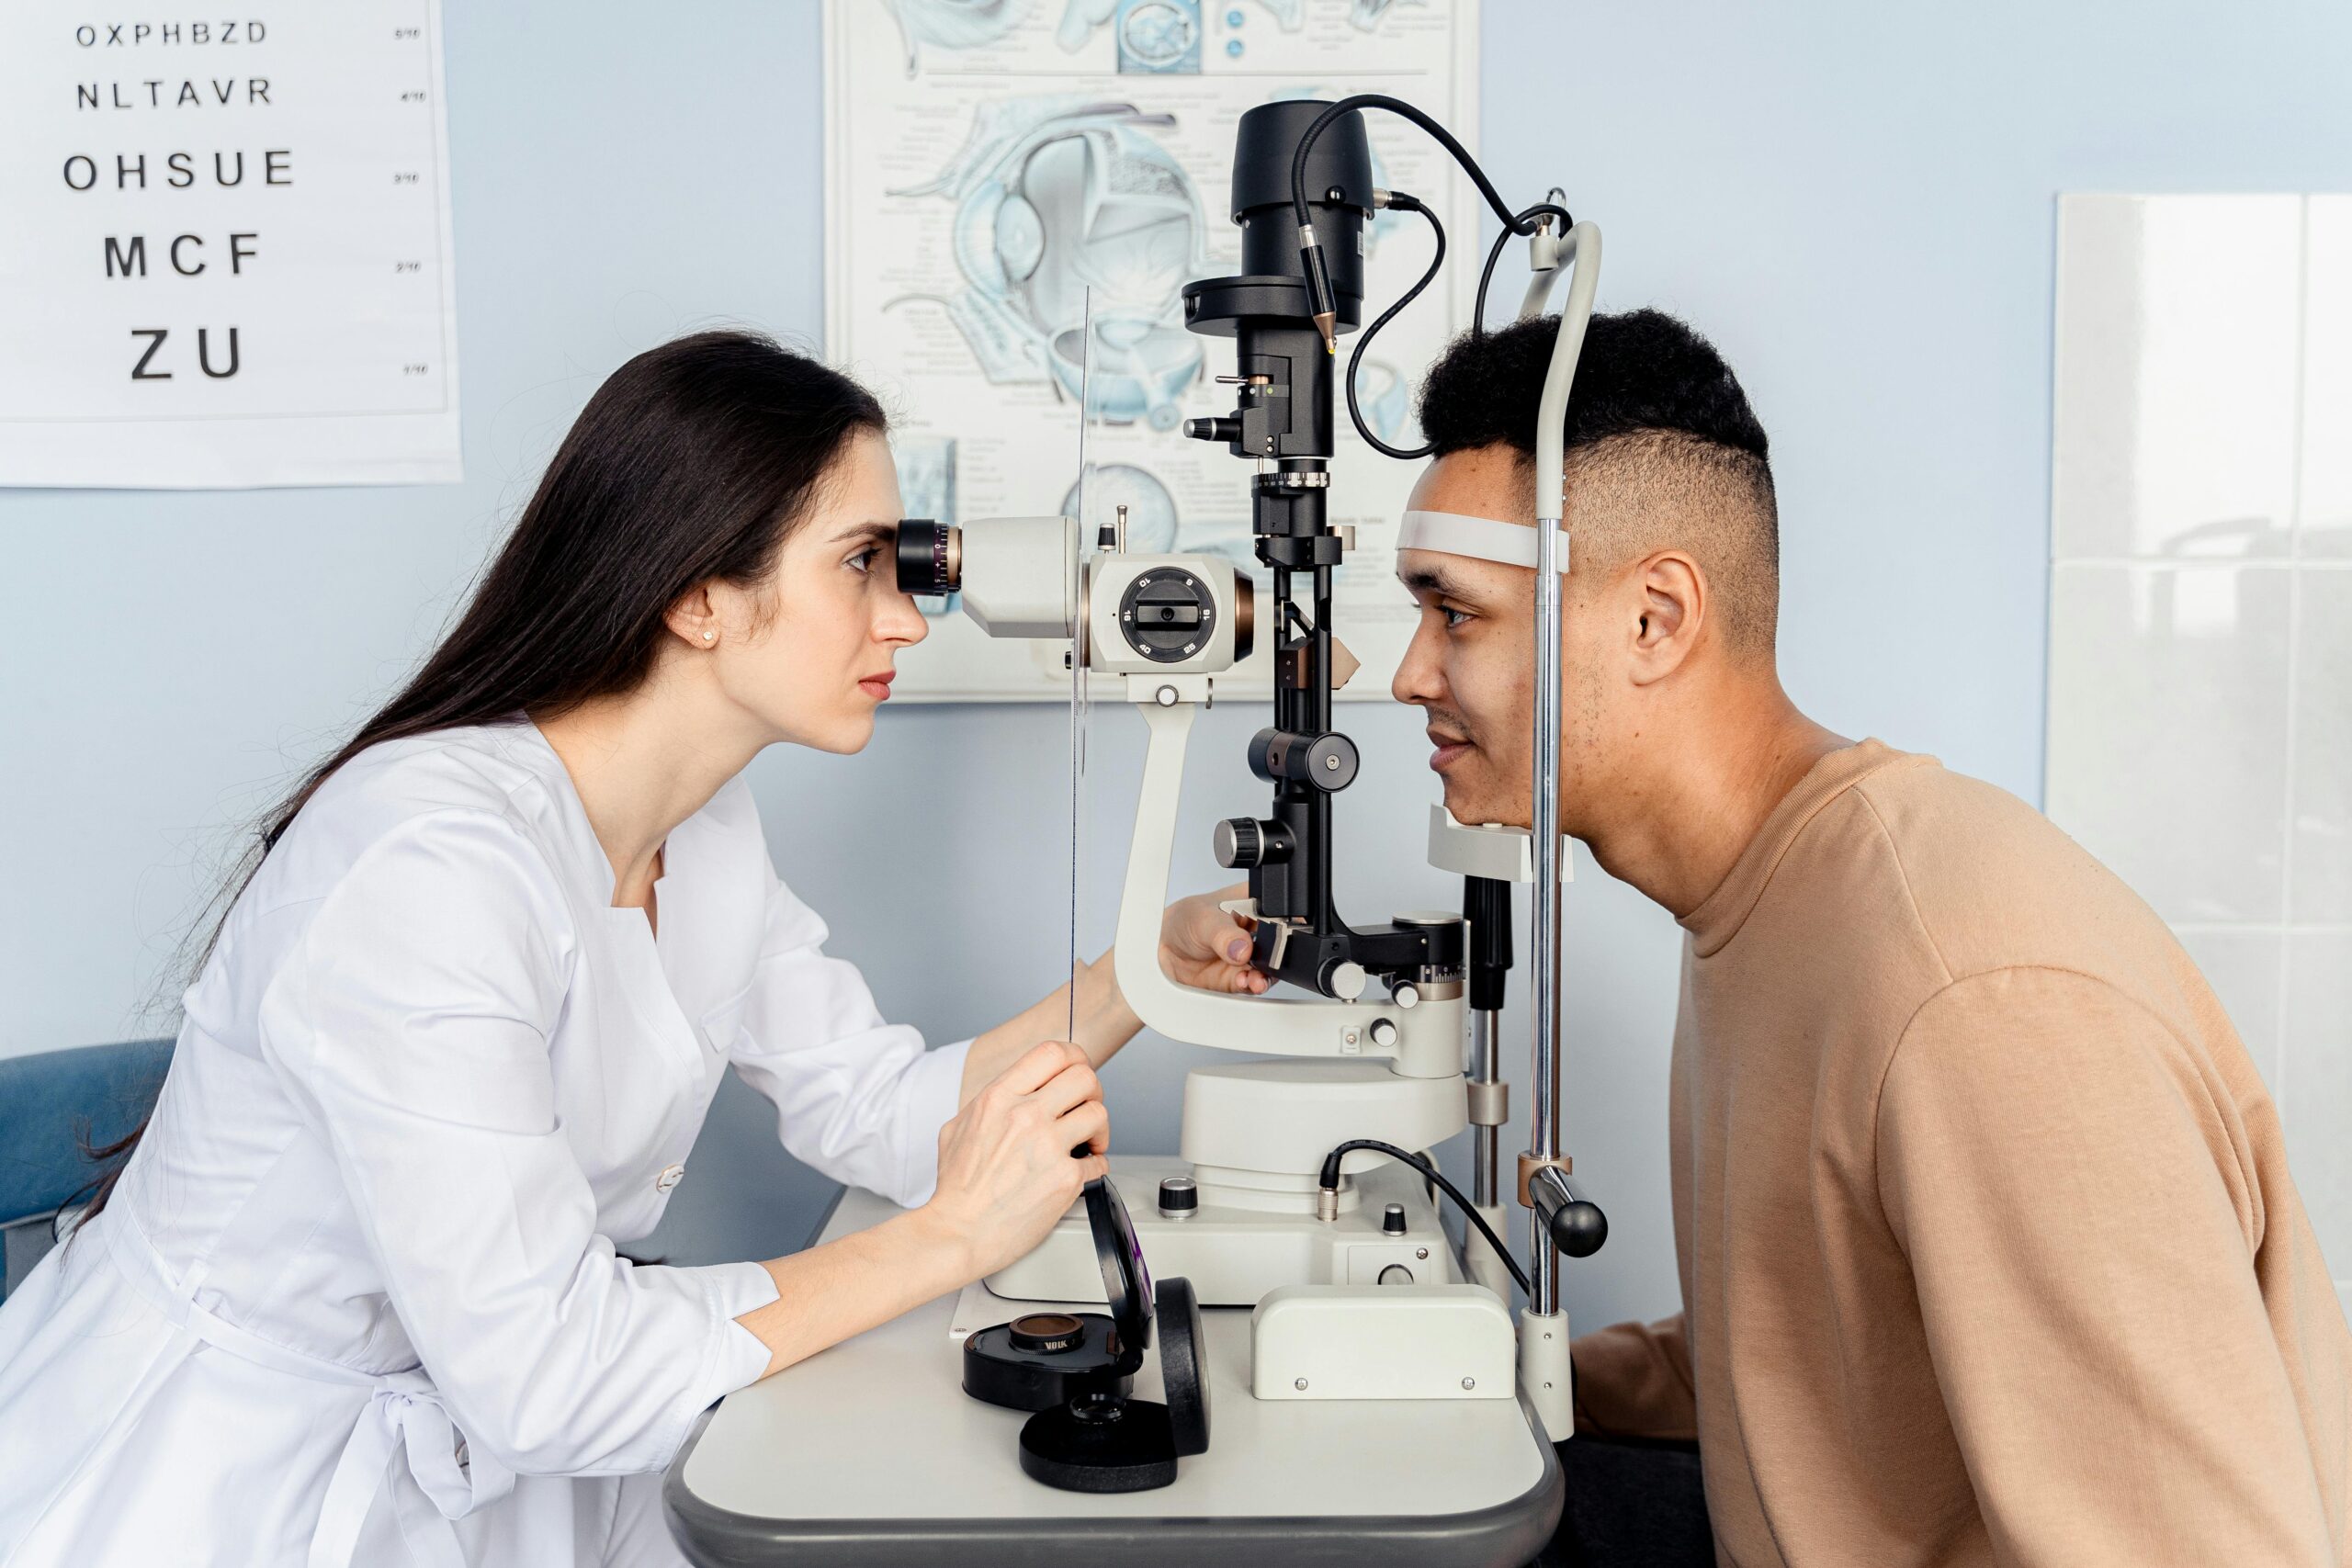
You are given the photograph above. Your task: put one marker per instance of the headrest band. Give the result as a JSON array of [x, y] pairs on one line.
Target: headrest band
[[1481, 538]]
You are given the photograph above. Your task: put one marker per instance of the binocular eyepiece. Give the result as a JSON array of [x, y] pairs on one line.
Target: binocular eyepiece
[[1025, 577], [929, 557]]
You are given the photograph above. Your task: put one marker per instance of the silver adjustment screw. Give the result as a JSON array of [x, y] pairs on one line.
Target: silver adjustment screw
[[1301, 1385], [1469, 1383]]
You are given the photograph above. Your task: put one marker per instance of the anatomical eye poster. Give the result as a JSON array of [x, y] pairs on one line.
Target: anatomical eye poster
[[1016, 192], [225, 256]]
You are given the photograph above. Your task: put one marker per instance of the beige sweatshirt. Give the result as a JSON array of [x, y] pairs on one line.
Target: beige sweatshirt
[[1989, 1252]]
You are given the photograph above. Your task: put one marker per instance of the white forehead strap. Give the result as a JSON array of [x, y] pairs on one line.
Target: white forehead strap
[[1481, 538]]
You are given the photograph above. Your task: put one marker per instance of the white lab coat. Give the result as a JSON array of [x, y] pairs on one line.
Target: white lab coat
[[355, 1297]]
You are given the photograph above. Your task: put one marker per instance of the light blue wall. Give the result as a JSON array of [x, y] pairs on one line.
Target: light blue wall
[[1855, 200]]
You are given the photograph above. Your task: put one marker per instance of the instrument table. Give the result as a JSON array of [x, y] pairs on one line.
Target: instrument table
[[871, 1453]]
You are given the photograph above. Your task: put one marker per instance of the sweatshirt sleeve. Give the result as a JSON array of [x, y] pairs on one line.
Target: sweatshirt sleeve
[[413, 1021], [1632, 1380], [2081, 1232], [856, 1098]]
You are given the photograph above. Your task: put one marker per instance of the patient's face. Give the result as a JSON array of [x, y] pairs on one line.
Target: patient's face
[[802, 647], [1471, 665]]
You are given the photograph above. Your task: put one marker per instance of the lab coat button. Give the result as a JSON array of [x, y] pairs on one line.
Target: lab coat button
[[671, 1176]]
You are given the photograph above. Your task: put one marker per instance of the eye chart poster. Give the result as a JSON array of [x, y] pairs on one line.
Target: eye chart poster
[[1016, 192], [225, 246]]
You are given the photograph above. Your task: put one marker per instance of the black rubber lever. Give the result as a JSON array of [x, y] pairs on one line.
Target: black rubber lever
[[1575, 1222]]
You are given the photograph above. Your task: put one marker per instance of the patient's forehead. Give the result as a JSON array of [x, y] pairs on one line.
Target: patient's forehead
[[1483, 481], [1489, 586]]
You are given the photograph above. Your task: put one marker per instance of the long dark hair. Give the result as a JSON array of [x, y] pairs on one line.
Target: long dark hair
[[692, 461]]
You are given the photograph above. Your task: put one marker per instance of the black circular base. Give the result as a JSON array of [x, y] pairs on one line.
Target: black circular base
[[1102, 1445], [1001, 1370]]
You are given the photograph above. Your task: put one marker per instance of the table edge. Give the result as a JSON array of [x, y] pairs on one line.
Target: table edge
[[1509, 1532]]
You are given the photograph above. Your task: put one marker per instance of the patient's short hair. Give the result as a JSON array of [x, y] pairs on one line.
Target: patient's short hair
[[1662, 450]]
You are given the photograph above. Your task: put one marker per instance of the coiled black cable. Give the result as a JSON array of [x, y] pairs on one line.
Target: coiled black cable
[[1401, 201], [1518, 224], [1444, 137], [1330, 1183]]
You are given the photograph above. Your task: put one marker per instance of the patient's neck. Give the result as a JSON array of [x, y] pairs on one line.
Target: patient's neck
[[1688, 795]]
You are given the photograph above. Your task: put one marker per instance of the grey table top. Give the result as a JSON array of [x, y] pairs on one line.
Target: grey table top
[[872, 1453]]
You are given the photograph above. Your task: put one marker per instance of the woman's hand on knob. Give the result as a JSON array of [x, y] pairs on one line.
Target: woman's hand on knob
[[1016, 1158]]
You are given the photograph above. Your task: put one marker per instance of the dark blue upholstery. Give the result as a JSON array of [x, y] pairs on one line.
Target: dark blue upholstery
[[53, 1102]]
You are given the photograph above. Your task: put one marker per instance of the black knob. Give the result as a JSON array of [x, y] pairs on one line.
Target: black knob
[[1326, 762], [1392, 1220], [1178, 1195], [1241, 844], [1168, 614], [1578, 1229], [1226, 428], [1577, 1225]]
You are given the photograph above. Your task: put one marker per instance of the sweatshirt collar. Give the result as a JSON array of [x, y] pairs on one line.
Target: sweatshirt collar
[[1719, 917]]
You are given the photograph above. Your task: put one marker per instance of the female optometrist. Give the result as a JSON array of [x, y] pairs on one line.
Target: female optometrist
[[354, 1298]]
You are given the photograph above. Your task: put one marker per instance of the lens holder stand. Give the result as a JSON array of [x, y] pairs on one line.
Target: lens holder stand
[[1100, 1438], [1046, 1358]]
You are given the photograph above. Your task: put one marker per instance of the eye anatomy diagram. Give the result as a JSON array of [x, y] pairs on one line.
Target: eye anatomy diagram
[[1017, 193], [1072, 222], [951, 25], [1164, 37]]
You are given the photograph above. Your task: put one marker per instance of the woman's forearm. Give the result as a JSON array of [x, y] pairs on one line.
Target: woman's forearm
[[1105, 1022], [829, 1293], [1201, 945]]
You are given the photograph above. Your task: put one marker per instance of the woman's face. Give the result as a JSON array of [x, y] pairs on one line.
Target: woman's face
[[810, 651]]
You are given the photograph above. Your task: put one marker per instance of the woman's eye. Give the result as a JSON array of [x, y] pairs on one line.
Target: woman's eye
[[1454, 618], [864, 561]]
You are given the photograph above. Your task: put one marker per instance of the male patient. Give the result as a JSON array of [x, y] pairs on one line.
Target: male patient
[[1988, 1249]]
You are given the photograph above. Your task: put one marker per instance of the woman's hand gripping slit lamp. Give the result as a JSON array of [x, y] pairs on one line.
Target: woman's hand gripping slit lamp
[[1354, 1068]]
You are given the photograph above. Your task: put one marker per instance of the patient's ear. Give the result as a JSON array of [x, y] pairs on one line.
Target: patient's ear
[[1671, 608]]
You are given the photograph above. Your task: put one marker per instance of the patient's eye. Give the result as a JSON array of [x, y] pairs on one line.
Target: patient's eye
[[864, 561], [1456, 619]]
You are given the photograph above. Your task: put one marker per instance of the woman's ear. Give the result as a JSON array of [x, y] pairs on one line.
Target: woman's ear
[[692, 618], [1673, 607]]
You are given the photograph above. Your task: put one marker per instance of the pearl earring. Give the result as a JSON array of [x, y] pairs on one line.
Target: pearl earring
[[710, 637]]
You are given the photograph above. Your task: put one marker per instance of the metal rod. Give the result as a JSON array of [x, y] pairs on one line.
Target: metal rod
[[1582, 247], [1486, 1067], [1544, 1131]]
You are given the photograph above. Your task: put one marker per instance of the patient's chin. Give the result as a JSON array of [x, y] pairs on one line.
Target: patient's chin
[[1469, 803]]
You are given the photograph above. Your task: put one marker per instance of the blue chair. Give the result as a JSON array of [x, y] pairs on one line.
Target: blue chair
[[51, 1104]]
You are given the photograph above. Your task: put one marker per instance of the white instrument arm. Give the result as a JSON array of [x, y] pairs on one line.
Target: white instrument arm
[[1423, 1041]]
